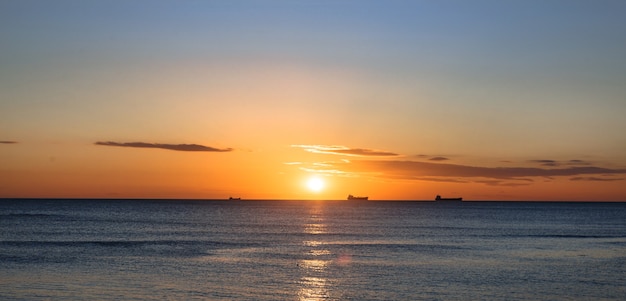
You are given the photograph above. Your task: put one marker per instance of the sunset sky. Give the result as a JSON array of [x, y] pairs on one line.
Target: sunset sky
[[488, 100]]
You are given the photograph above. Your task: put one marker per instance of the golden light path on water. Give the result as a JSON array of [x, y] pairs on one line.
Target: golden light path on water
[[313, 283]]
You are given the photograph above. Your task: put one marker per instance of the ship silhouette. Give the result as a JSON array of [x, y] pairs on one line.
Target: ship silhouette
[[439, 198]]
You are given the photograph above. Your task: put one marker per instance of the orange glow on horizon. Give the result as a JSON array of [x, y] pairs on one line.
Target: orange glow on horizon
[[91, 171]]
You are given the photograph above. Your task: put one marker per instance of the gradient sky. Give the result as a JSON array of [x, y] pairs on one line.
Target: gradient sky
[[489, 100]]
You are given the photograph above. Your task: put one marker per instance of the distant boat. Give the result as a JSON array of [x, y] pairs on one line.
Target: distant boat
[[439, 198], [355, 198], [234, 199]]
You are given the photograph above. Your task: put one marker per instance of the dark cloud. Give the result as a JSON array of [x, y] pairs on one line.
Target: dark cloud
[[438, 159], [446, 180], [411, 169], [515, 183], [503, 183], [546, 162], [554, 163], [577, 162], [596, 179], [175, 147], [7, 142], [342, 150]]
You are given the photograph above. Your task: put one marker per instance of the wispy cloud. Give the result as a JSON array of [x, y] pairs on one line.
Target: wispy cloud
[[323, 171], [7, 142], [175, 147], [342, 150], [326, 167]]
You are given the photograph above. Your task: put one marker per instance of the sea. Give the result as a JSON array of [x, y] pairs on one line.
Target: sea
[[83, 249]]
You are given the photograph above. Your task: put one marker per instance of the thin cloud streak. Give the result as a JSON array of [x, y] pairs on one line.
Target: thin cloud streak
[[323, 171], [342, 150], [174, 147]]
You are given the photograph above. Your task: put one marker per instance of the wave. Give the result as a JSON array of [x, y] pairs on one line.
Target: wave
[[43, 252], [29, 215], [596, 236], [123, 243]]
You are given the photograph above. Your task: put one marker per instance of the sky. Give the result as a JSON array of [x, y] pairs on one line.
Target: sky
[[395, 100]]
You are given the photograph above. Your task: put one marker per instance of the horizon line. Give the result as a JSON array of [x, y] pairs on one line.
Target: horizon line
[[305, 200]]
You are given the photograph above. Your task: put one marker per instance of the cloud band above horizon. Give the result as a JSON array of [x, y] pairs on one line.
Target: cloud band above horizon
[[412, 169], [578, 170]]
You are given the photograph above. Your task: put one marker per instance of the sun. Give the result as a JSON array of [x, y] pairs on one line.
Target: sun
[[315, 184]]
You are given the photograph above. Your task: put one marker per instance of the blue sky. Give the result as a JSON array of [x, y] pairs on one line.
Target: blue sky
[[479, 81]]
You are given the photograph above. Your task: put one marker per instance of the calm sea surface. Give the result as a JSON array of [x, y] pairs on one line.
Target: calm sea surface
[[305, 250]]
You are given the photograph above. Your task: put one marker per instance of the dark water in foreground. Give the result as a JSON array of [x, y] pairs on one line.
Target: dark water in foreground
[[303, 250]]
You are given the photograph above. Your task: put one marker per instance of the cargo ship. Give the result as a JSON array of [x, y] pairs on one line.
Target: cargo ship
[[439, 198], [356, 198]]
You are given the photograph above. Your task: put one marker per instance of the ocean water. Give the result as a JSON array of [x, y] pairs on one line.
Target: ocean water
[[311, 250]]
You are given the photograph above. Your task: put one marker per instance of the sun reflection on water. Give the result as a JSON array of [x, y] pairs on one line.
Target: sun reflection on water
[[314, 265], [314, 228], [319, 252], [314, 283], [312, 243], [313, 288]]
